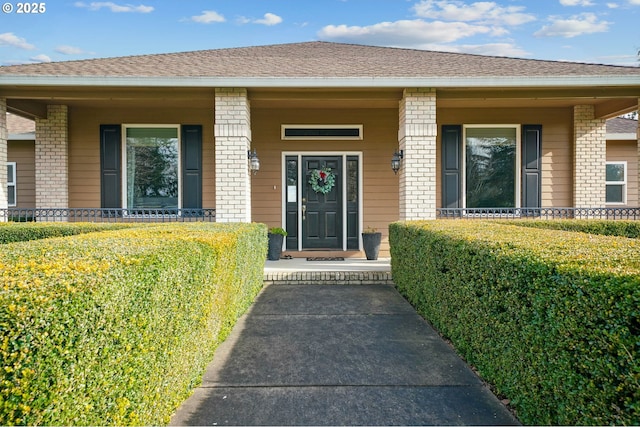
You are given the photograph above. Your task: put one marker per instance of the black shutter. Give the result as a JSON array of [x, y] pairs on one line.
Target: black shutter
[[451, 166], [531, 166], [192, 166], [110, 166]]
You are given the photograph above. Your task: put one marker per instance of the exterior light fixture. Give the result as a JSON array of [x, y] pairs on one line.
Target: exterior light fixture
[[396, 161], [254, 161]]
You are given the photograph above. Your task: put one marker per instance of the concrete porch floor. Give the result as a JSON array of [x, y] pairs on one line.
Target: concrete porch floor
[[350, 271]]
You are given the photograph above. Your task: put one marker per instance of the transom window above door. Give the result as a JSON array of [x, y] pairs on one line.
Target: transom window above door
[[315, 132]]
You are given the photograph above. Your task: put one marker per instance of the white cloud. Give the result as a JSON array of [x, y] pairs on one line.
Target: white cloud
[[415, 33], [69, 50], [576, 2], [269, 19], [634, 2], [489, 13], [586, 23], [490, 49], [113, 7], [613, 5], [10, 39], [40, 58], [207, 17]]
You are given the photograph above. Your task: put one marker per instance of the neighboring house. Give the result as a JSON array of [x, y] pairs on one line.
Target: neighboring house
[[21, 174], [622, 162], [177, 131]]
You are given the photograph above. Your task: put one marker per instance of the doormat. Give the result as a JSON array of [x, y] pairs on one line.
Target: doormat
[[325, 258]]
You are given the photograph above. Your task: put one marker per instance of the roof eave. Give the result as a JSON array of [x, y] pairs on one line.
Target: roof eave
[[622, 136], [320, 82]]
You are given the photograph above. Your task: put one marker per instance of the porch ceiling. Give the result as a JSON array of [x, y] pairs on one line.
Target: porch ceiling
[[32, 101], [609, 101]]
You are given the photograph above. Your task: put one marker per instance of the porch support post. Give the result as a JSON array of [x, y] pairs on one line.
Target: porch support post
[[4, 134], [590, 158], [232, 130], [638, 158], [417, 138], [52, 158]]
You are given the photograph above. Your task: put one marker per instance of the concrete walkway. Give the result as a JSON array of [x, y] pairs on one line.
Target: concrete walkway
[[338, 355]]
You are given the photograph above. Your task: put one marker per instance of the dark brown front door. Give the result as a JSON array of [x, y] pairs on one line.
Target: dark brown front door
[[322, 213]]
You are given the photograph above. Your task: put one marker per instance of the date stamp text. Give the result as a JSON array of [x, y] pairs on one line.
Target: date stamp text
[[32, 8]]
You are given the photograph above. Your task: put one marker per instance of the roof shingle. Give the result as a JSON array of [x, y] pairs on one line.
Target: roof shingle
[[315, 59]]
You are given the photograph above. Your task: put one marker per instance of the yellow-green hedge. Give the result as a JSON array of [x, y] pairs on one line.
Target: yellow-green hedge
[[11, 232], [115, 328], [550, 318], [624, 228]]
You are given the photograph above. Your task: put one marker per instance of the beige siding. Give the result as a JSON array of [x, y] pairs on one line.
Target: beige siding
[[84, 145], [557, 145], [23, 153], [626, 151]]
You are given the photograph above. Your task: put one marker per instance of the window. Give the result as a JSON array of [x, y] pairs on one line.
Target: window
[[314, 132], [616, 192], [152, 167], [11, 184], [491, 166]]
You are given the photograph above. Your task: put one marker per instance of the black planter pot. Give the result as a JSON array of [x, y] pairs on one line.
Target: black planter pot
[[371, 244], [275, 246]]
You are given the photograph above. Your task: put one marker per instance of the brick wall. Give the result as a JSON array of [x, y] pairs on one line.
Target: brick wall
[[417, 138], [3, 152], [232, 130], [52, 159], [590, 156]]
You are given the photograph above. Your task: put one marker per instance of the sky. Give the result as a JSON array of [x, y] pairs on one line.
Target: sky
[[593, 31]]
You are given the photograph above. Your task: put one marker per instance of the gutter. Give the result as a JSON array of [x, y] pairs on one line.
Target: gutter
[[321, 82], [621, 136]]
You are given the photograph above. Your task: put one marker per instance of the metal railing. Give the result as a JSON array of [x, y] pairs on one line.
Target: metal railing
[[107, 215], [539, 213]]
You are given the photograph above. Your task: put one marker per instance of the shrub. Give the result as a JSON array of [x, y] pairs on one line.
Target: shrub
[[117, 327], [20, 232], [550, 318], [604, 227]]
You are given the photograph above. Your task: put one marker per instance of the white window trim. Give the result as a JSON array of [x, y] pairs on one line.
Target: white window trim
[[124, 158], [344, 155], [622, 183], [12, 183], [517, 178], [360, 136]]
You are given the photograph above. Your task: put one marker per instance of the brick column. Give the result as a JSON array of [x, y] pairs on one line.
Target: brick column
[[417, 138], [590, 158], [4, 134], [52, 159], [232, 131]]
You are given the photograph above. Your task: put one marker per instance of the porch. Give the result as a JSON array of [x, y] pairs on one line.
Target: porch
[[331, 271]]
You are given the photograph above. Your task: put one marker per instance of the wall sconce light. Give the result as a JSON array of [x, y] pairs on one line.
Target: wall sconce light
[[396, 161], [254, 161]]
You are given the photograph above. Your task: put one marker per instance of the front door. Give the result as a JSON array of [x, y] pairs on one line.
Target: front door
[[322, 226]]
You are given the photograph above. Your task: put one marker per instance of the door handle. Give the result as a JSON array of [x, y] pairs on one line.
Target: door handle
[[304, 208]]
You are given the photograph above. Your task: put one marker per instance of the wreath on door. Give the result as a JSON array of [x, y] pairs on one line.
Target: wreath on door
[[322, 180]]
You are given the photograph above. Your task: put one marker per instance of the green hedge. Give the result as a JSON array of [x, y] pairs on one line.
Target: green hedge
[[11, 232], [116, 327], [550, 318], [603, 227]]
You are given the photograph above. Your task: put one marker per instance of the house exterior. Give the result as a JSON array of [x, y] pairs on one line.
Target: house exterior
[[176, 131]]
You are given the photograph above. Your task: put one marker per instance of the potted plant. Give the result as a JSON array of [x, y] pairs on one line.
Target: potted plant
[[371, 239], [276, 238]]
